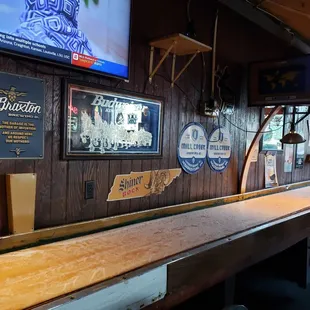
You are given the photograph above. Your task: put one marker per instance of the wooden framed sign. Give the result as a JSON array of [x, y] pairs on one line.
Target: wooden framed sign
[[21, 117], [101, 122]]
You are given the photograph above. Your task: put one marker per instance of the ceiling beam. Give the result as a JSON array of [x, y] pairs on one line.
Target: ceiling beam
[[258, 17]]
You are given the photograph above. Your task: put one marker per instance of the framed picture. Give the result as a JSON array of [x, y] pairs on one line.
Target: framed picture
[[101, 122], [280, 82], [274, 131]]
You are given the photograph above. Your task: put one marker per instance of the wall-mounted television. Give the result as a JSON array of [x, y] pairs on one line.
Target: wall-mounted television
[[92, 35], [284, 82]]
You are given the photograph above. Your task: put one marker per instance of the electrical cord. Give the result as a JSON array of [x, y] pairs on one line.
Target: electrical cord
[[35, 70], [180, 89], [188, 11], [229, 121]]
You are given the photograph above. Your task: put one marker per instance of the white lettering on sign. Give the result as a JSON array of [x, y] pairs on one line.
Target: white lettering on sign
[[114, 104], [21, 106]]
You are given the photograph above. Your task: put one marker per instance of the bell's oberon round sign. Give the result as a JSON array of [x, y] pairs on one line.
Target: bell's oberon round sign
[[192, 147], [219, 149]]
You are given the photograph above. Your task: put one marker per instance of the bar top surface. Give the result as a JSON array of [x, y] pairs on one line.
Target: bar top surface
[[35, 275]]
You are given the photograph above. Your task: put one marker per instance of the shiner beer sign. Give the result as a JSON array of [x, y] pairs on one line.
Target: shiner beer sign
[[192, 147], [21, 117], [142, 184], [219, 149]]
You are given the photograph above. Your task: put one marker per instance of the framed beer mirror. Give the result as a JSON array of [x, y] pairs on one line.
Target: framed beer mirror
[[101, 122]]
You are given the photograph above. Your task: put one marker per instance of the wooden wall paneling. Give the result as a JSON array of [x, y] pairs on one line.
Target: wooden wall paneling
[[25, 69], [232, 183], [192, 107], [224, 175], [173, 142], [234, 156], [62, 187], [89, 174], [102, 175], [141, 75], [59, 167], [164, 163], [136, 165], [156, 89], [102, 189], [197, 74], [43, 167], [75, 191], [201, 175], [179, 127], [182, 121], [6, 166], [206, 170], [126, 165], [261, 174], [75, 186], [241, 122], [280, 168], [114, 170], [187, 109], [213, 175]]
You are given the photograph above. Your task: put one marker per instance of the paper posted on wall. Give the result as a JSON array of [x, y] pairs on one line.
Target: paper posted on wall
[[271, 178], [288, 158]]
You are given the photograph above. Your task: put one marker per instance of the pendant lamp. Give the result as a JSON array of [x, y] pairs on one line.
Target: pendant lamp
[[293, 137]]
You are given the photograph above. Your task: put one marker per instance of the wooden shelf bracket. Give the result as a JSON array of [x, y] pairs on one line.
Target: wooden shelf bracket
[[153, 72], [177, 45]]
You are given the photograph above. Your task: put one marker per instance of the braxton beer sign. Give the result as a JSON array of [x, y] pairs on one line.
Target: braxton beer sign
[[142, 184], [21, 117]]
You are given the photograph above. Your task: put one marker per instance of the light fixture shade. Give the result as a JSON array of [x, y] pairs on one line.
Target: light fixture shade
[[293, 137]]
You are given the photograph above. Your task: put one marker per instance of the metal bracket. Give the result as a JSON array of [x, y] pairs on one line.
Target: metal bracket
[[303, 117], [173, 80], [153, 72]]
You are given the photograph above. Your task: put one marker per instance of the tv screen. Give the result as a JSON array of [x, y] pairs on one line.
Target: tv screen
[[87, 34]]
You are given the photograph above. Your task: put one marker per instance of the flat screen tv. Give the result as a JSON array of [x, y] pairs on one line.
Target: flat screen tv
[[87, 34], [284, 82]]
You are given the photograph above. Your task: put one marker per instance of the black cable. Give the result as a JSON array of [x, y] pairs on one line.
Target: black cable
[[189, 19], [180, 88], [35, 70], [236, 126]]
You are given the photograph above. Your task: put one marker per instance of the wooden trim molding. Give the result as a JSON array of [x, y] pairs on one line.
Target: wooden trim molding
[[259, 134], [43, 236]]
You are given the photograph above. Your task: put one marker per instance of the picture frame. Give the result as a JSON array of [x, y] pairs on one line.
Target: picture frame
[[101, 122], [279, 82]]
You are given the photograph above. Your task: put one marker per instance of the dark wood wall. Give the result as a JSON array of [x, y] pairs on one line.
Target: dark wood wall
[[60, 184]]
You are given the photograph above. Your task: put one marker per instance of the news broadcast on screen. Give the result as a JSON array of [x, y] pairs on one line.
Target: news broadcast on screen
[[91, 35]]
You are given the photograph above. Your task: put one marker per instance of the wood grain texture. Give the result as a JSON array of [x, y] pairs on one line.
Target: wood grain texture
[[15, 242], [197, 273], [6, 166], [60, 192], [38, 274], [59, 173]]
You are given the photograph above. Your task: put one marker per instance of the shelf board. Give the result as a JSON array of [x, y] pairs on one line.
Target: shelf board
[[184, 45]]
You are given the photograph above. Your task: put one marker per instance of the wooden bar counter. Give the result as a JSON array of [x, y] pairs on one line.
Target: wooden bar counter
[[38, 274]]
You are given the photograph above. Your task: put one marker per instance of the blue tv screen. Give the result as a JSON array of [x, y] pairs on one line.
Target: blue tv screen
[[87, 34]]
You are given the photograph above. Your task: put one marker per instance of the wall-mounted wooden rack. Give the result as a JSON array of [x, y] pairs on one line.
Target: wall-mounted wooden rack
[[178, 45]]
